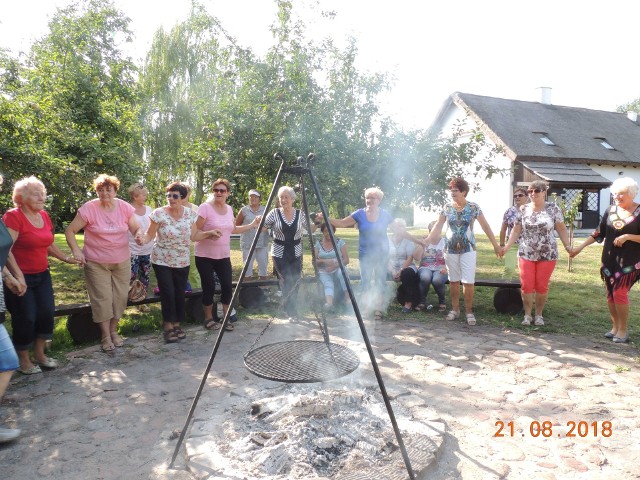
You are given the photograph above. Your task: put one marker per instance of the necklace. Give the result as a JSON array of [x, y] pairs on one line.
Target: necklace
[[35, 220]]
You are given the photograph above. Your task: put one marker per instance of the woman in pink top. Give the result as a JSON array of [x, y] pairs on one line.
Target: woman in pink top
[[32, 313], [213, 255], [107, 222]]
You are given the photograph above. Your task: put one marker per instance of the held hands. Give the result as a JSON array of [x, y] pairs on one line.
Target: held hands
[[139, 238], [500, 251], [215, 233], [17, 286], [256, 221]]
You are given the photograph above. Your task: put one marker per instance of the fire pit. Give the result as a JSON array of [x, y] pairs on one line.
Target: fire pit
[[305, 433]]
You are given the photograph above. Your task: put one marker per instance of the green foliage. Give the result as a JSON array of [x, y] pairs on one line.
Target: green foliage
[[570, 212], [70, 110]]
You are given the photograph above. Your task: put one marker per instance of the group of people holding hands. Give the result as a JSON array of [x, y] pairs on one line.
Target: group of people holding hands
[[531, 224], [123, 241]]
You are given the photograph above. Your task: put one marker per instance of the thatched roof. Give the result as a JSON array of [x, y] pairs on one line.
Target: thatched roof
[[577, 133]]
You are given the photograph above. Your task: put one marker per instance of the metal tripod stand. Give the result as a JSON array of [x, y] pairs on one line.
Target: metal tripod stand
[[301, 171]]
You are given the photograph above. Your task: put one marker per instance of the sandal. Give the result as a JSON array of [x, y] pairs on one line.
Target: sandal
[[442, 308], [116, 339], [229, 327], [420, 307], [212, 324], [107, 345], [471, 319], [452, 315], [170, 336], [179, 333], [378, 315]]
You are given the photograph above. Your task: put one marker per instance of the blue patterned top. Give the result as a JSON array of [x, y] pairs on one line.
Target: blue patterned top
[[459, 237]]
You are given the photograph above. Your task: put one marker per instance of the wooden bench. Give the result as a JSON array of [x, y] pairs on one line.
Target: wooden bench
[[507, 299]]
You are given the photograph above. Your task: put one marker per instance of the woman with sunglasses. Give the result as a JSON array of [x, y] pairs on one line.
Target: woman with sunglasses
[[213, 255], [173, 227], [619, 229], [509, 219], [538, 249], [460, 246], [106, 257]]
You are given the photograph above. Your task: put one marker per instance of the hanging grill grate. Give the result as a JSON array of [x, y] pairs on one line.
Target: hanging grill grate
[[301, 361]]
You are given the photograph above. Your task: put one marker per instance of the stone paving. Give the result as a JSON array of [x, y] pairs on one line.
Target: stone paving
[[568, 406]]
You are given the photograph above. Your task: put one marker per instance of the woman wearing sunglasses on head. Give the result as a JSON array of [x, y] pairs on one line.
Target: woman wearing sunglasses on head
[[214, 254], [173, 227], [538, 249]]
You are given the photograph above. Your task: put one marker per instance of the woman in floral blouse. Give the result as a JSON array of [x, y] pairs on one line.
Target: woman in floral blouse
[[538, 251], [620, 230], [509, 219], [173, 227], [460, 245]]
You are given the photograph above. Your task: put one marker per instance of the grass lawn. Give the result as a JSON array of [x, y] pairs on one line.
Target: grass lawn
[[576, 303]]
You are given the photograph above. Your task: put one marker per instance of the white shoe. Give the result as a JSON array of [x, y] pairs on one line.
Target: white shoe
[[527, 320], [9, 434], [471, 319], [452, 315], [539, 321]]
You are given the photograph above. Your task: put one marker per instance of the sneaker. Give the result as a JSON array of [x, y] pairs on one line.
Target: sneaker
[[527, 320], [539, 321], [406, 310], [452, 315], [9, 434], [471, 319]]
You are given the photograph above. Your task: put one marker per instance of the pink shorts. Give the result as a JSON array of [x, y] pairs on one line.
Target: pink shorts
[[535, 276]]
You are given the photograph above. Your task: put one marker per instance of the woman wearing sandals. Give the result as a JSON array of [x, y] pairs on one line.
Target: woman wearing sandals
[[373, 246], [106, 257], [32, 313], [173, 227], [620, 230], [287, 224], [432, 270], [213, 255], [460, 249], [402, 269], [535, 226]]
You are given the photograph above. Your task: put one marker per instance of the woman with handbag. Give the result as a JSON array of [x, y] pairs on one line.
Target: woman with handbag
[[140, 254]]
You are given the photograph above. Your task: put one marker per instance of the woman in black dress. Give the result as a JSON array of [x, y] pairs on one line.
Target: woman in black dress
[[620, 230]]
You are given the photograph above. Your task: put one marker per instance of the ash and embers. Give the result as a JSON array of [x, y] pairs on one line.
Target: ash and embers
[[304, 433]]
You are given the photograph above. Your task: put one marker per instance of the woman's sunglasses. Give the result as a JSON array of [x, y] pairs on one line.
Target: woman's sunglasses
[[175, 196], [535, 190], [518, 195], [219, 190]]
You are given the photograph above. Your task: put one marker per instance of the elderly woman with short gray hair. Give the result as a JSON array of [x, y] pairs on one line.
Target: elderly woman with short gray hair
[[287, 225], [373, 246], [619, 229]]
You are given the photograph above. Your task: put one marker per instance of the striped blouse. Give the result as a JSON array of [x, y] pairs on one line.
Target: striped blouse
[[273, 222]]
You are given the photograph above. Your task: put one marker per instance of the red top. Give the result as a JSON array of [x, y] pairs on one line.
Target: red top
[[32, 244]]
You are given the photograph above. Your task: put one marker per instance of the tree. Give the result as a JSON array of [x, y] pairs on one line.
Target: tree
[[71, 108]]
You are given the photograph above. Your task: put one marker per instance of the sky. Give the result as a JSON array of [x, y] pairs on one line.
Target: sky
[[584, 50]]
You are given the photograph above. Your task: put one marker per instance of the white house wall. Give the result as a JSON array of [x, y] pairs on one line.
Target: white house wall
[[613, 173], [493, 195]]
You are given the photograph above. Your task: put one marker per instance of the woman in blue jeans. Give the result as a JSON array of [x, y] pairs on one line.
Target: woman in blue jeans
[[32, 314], [328, 267], [432, 271]]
